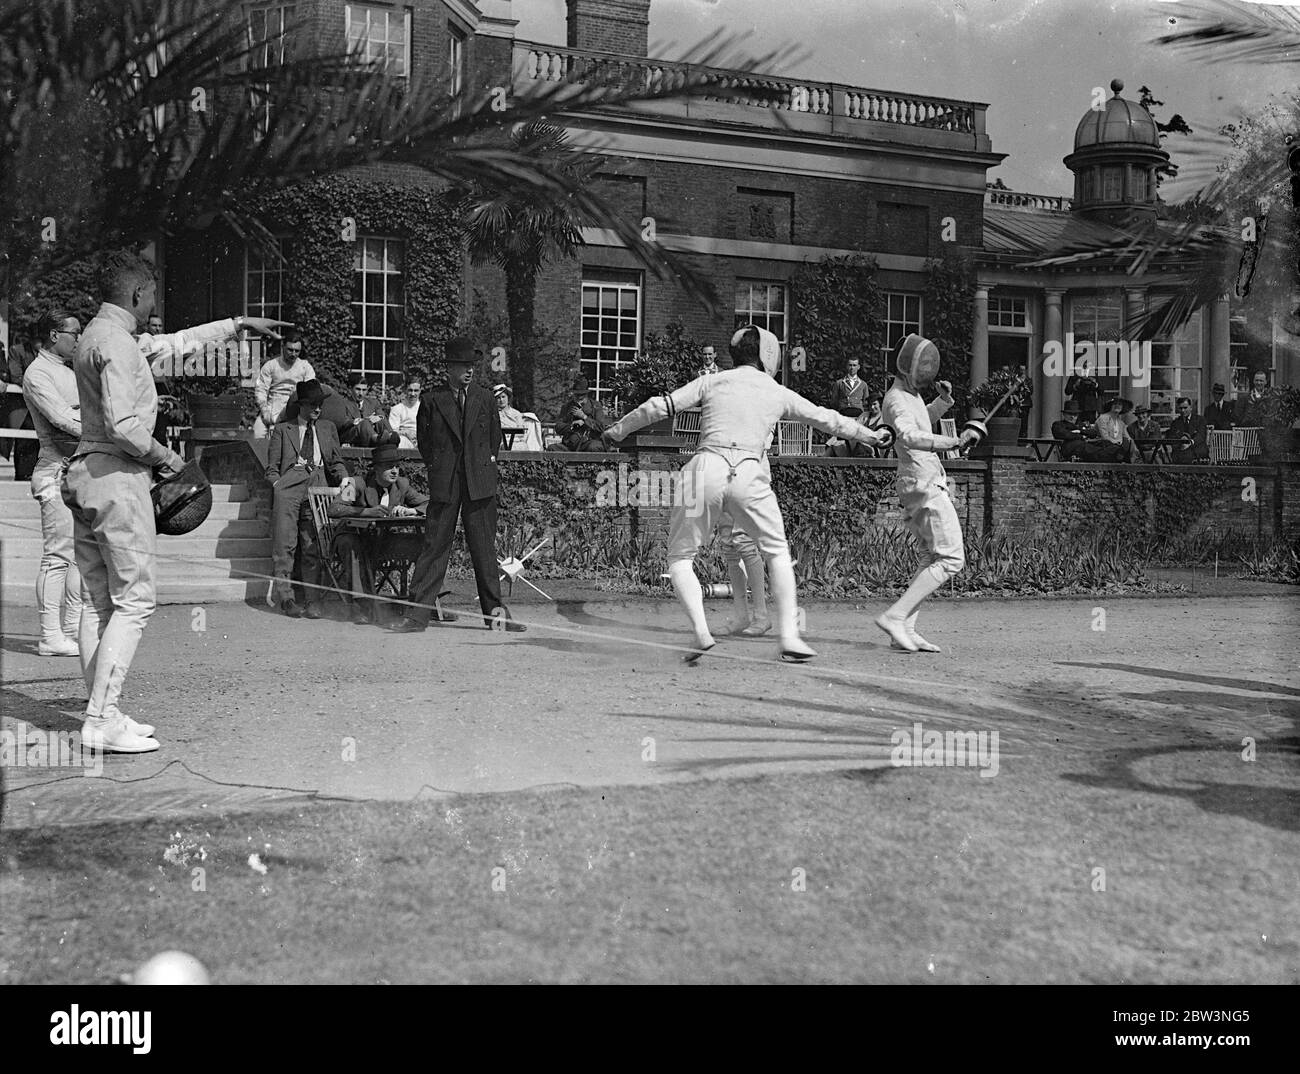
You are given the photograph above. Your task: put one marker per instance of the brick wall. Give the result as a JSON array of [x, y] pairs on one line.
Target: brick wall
[[609, 25]]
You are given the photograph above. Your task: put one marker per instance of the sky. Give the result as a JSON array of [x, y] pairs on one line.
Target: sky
[[1034, 62]]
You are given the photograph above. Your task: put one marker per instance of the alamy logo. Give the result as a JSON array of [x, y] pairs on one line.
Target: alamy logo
[[1084, 358], [229, 358], [649, 488], [76, 1026], [920, 748], [38, 748]]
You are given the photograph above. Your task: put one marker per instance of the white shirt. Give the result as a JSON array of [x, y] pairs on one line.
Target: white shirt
[[50, 389], [918, 465], [739, 408]]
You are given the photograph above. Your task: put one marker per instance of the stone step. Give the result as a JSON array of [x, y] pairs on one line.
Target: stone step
[[23, 595], [195, 546], [23, 572]]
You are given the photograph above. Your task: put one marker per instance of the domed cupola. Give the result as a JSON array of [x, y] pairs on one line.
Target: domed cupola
[[1116, 154]]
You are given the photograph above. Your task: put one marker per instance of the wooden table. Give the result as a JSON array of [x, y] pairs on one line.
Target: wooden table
[[1160, 450]]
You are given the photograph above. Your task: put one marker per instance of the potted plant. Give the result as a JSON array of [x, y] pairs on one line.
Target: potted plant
[[1276, 413], [1004, 426]]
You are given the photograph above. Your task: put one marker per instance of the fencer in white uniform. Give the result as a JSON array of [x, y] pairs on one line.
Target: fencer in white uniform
[[727, 473], [922, 485]]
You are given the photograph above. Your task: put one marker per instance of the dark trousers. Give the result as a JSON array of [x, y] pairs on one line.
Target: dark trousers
[[293, 536], [480, 521]]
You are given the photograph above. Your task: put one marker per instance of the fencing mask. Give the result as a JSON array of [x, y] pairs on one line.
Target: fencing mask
[[769, 348], [182, 503], [917, 361]]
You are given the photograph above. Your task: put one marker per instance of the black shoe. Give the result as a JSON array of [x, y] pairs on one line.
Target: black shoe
[[312, 611], [359, 617], [291, 608], [407, 626]]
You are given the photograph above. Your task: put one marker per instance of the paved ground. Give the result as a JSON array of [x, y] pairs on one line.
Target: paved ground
[[253, 707]]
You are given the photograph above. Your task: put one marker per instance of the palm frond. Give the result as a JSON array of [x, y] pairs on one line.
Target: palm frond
[[1222, 31]]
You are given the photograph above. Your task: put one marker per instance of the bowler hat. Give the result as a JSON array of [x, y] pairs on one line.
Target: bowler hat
[[310, 392], [384, 457], [1071, 407], [459, 351]]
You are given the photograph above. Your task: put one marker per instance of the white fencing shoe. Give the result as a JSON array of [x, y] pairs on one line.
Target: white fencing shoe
[[111, 734], [58, 645]]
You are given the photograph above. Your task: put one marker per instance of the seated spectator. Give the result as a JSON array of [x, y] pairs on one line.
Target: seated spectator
[[1080, 442], [1112, 428], [1144, 426], [581, 421], [1248, 410], [1218, 415], [872, 419], [344, 409], [278, 381], [401, 418], [531, 437], [1191, 430], [382, 494]]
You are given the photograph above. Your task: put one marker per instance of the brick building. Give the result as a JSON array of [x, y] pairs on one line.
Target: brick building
[[749, 189]]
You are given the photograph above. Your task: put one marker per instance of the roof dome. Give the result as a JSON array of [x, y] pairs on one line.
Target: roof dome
[[1120, 122]]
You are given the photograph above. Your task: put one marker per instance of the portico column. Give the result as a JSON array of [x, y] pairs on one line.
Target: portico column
[[1220, 363], [979, 344], [1135, 304], [1053, 395]]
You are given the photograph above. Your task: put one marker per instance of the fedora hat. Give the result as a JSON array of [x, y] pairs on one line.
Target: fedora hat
[[459, 351], [384, 457], [310, 392]]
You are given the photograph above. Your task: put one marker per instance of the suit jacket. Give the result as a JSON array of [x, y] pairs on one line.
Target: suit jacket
[[1084, 391], [446, 445], [1193, 427], [286, 442], [844, 396], [570, 428], [369, 494], [1219, 415]]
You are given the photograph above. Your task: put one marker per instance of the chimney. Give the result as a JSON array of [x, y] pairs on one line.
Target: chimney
[[621, 26]]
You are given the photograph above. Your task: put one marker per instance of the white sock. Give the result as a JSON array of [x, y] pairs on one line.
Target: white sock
[[691, 596]]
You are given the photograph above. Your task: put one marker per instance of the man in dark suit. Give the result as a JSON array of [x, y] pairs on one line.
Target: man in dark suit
[[458, 432], [301, 454], [1218, 415], [383, 494], [1080, 442], [1084, 390], [582, 421], [1190, 429]]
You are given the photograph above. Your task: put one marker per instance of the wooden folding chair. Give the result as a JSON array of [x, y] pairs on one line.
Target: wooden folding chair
[[1249, 440], [320, 497]]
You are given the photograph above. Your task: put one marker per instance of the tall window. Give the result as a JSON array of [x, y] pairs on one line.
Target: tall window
[[1097, 319], [264, 282], [268, 39], [380, 35], [378, 307], [1007, 312], [1253, 342], [764, 303], [1176, 369], [1112, 184], [902, 318], [455, 58], [611, 326]]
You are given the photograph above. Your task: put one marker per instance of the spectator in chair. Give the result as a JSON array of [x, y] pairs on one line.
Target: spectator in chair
[[278, 380], [1112, 428], [404, 415], [1191, 429], [1080, 442], [302, 454], [583, 420], [872, 418], [344, 409], [1218, 415], [382, 494], [1144, 426]]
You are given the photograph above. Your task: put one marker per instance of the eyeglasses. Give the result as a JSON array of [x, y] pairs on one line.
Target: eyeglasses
[[69, 332]]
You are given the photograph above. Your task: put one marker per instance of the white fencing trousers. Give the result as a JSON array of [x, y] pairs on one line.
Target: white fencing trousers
[[931, 518], [742, 488]]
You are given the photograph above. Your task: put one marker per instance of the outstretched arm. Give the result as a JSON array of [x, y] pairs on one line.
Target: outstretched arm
[[797, 408], [660, 407]]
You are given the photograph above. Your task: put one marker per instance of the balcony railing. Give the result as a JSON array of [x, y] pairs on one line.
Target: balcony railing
[[1014, 200], [536, 63]]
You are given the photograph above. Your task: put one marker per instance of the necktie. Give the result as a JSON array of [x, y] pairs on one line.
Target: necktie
[[460, 398], [309, 446]]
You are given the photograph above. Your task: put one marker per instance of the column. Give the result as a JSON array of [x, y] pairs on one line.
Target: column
[[1053, 393], [979, 344], [1220, 358], [1135, 304]]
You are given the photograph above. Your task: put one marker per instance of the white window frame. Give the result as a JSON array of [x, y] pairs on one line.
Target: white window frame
[[897, 328], [608, 359], [357, 33], [1005, 311], [1185, 364], [390, 367], [269, 44], [762, 313], [457, 40], [1095, 303], [1239, 372]]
